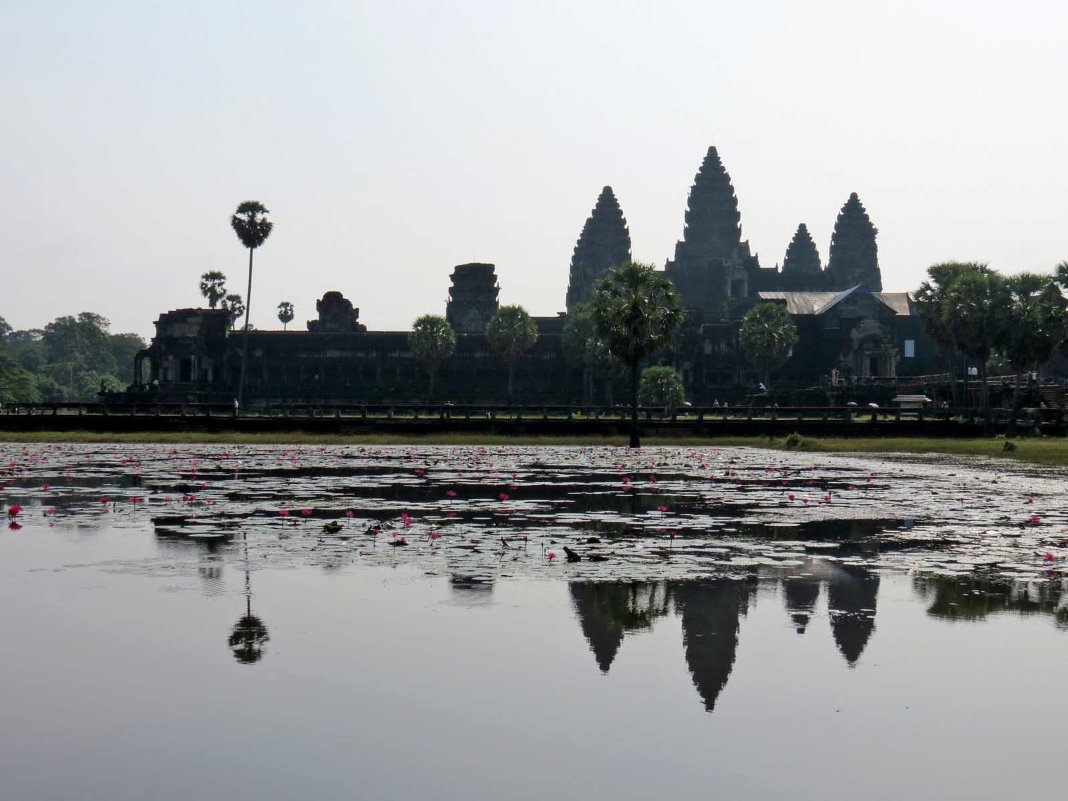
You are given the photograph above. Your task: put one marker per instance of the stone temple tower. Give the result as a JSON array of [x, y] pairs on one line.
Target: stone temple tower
[[854, 255], [603, 244], [472, 298], [711, 263]]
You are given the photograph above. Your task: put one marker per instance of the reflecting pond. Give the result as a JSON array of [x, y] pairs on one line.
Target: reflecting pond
[[269, 622]]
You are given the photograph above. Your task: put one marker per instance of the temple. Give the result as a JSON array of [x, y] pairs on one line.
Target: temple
[[851, 332]]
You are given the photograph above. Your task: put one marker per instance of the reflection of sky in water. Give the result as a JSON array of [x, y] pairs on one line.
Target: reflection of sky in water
[[119, 680], [752, 638]]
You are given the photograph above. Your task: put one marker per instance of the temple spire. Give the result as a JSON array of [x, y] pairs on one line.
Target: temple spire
[[713, 222], [802, 258], [603, 244], [854, 255]]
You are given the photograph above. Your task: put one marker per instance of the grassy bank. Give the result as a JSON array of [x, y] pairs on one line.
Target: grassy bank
[[1047, 451]]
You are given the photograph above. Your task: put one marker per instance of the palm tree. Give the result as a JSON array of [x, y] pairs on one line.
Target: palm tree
[[432, 341], [213, 287], [252, 228], [975, 311], [637, 312], [249, 634], [236, 307], [285, 313], [930, 300], [583, 347], [1036, 328], [767, 335], [511, 333]]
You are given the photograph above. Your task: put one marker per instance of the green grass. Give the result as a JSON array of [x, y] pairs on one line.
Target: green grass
[[1048, 451]]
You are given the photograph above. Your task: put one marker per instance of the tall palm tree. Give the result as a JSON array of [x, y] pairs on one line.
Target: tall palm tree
[[213, 287], [636, 310], [285, 313], [236, 307], [432, 341], [511, 333], [767, 335], [252, 227]]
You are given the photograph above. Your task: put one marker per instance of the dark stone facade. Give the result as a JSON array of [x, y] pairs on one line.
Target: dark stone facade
[[849, 330], [472, 298]]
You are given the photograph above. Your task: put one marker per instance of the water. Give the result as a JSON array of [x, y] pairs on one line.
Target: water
[[710, 652]]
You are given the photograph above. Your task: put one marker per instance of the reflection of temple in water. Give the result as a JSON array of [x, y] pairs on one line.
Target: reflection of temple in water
[[607, 610], [800, 594], [851, 595], [710, 609]]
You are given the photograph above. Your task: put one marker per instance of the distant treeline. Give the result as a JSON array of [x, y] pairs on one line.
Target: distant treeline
[[70, 359]]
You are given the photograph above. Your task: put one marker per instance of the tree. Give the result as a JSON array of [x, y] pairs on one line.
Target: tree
[[252, 227], [511, 333], [17, 385], [432, 341], [661, 386], [236, 306], [1035, 330], [636, 311], [930, 301], [285, 313], [213, 287], [584, 348], [767, 335], [975, 312]]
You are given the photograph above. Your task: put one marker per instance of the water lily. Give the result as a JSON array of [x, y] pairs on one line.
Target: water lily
[[13, 510]]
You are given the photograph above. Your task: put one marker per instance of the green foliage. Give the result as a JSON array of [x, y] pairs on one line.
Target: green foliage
[[636, 312], [213, 287], [661, 386], [795, 440], [285, 313], [236, 306], [1035, 326], [583, 346], [69, 360], [767, 335], [251, 225], [511, 332], [975, 312], [432, 340]]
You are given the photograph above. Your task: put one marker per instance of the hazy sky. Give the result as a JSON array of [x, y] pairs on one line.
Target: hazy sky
[[394, 140]]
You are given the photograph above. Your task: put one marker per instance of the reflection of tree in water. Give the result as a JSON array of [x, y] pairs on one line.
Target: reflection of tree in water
[[800, 594], [250, 634], [972, 598], [851, 595], [711, 610], [607, 610]]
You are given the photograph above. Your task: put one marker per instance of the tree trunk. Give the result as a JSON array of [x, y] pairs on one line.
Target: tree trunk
[[984, 400], [1014, 415], [511, 377], [634, 441], [244, 345]]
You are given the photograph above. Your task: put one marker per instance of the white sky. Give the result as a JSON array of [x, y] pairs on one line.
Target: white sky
[[394, 140]]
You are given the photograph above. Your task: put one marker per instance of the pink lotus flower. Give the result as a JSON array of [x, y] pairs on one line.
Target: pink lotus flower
[[550, 555], [46, 486], [306, 512], [661, 508], [105, 500], [451, 493], [136, 499], [1036, 519], [791, 496], [1048, 557], [13, 510], [283, 512], [349, 513], [502, 496], [434, 536]]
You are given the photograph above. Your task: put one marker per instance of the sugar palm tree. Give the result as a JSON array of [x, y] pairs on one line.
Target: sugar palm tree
[[252, 227], [285, 313], [213, 287], [432, 341], [636, 310], [767, 335], [236, 307], [511, 333]]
